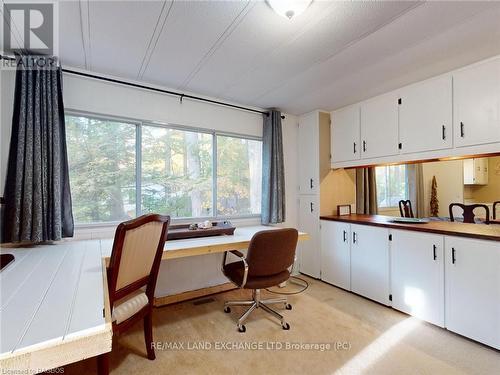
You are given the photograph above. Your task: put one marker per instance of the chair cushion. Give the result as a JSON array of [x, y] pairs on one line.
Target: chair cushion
[[128, 306], [234, 272]]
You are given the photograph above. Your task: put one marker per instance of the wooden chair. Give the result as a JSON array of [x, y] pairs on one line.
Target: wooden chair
[[469, 212], [405, 208], [495, 209], [132, 274]]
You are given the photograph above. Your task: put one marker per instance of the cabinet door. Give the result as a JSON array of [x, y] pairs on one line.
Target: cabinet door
[[472, 279], [370, 262], [417, 275], [336, 253], [308, 153], [345, 142], [476, 104], [425, 116], [379, 126], [309, 251]]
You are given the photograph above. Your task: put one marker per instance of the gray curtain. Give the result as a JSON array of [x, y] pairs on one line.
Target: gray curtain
[[416, 188], [37, 191], [366, 191], [273, 171]]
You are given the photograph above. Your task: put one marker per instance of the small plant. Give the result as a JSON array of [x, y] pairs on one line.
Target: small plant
[[434, 200]]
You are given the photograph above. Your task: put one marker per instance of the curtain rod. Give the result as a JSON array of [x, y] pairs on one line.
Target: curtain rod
[[150, 88]]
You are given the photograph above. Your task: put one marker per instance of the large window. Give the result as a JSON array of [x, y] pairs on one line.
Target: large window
[[392, 185], [183, 173]]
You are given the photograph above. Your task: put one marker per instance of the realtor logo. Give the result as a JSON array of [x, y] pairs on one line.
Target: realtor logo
[[29, 28]]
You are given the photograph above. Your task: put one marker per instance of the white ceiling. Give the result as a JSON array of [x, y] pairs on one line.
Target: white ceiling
[[334, 54]]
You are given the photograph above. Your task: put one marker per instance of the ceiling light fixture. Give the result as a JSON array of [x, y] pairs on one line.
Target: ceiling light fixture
[[289, 8]]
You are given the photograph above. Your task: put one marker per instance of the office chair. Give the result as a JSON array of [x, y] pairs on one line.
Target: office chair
[[134, 264], [405, 208], [469, 212], [270, 255]]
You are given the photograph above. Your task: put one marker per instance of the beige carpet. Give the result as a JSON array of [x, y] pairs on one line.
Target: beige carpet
[[364, 338]]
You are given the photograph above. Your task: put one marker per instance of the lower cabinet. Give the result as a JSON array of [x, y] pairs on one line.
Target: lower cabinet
[[472, 279], [370, 262], [309, 252], [336, 253], [417, 275]]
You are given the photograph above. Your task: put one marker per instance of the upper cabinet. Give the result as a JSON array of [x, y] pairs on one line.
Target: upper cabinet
[[379, 126], [425, 116], [309, 153], [476, 171], [345, 129], [476, 95]]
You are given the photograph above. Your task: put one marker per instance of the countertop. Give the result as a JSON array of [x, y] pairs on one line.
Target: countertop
[[480, 231]]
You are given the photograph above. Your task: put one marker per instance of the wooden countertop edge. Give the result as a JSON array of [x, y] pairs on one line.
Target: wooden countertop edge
[[414, 227]]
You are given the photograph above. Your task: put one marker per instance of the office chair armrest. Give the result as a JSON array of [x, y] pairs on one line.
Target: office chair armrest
[[245, 264]]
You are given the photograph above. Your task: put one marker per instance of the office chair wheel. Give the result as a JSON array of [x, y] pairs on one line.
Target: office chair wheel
[[242, 328], [288, 306], [227, 309], [285, 326]]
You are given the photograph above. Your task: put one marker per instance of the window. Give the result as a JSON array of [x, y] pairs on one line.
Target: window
[[176, 167], [392, 185]]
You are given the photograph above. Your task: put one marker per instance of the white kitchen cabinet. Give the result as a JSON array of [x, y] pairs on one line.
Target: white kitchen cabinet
[[379, 126], [425, 116], [472, 282], [345, 133], [309, 251], [476, 171], [336, 253], [370, 262], [417, 275], [309, 154], [476, 104]]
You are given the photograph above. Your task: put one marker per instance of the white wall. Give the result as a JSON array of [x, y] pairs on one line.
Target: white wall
[[7, 81]]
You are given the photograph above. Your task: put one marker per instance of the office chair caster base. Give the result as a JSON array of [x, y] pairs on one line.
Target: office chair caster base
[[288, 306], [227, 309], [285, 326], [242, 328]]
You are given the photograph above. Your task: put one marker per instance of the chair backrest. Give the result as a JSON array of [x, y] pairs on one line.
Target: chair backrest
[[405, 208], [495, 209], [271, 251], [136, 255], [469, 212]]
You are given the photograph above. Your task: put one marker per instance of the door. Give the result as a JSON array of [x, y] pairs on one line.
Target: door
[[308, 153], [370, 262], [476, 104], [336, 253], [417, 275], [345, 142], [379, 127], [425, 116], [472, 279], [309, 251]]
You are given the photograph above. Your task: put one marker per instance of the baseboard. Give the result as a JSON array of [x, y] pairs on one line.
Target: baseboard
[[174, 298]]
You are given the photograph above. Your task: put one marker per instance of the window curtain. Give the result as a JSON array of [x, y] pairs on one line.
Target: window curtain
[[37, 191], [366, 191], [416, 188], [273, 172]]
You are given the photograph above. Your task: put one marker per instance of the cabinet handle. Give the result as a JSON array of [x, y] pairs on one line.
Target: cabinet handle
[[462, 133], [434, 251], [453, 258], [311, 183], [364, 146], [345, 236], [354, 237], [444, 132], [354, 143], [312, 207]]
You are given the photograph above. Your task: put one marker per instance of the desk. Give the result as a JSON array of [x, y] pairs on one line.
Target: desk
[[54, 303], [53, 306]]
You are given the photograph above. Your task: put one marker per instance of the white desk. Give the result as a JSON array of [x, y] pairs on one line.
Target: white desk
[[53, 307]]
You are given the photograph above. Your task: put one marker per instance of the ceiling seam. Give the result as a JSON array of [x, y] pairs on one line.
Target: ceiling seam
[[350, 44], [157, 38], [218, 43], [12, 27], [88, 34], [151, 39], [82, 34]]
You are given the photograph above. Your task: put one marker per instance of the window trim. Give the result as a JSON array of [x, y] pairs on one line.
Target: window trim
[[139, 123]]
